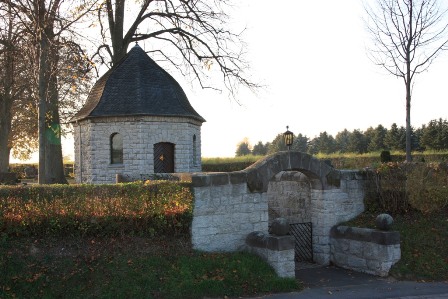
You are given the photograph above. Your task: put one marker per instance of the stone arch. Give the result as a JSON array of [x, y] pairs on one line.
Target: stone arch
[[321, 175], [230, 205]]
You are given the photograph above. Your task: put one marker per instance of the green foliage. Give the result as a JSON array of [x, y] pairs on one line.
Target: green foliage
[[325, 144], [243, 148], [435, 135], [151, 208], [423, 242], [260, 149], [19, 169], [427, 185], [385, 157], [376, 139], [228, 164], [398, 188], [277, 145], [357, 142], [373, 159], [389, 183], [130, 268], [300, 143]]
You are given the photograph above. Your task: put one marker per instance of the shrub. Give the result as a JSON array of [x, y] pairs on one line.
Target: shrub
[[385, 157], [389, 184], [228, 164], [151, 208], [428, 186]]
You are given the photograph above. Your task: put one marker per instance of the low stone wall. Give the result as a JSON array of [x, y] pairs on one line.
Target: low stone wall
[[225, 212], [229, 206], [365, 250], [277, 251]]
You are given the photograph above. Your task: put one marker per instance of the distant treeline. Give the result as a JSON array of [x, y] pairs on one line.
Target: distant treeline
[[430, 137]]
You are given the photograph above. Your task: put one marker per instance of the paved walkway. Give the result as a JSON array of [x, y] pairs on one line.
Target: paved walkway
[[337, 283]]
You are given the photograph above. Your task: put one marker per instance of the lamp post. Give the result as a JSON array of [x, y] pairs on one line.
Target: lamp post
[[288, 136]]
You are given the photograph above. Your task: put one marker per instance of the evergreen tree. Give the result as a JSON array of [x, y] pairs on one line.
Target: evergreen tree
[[277, 145], [357, 142], [377, 139], [323, 144], [435, 135], [342, 139], [300, 143], [260, 149], [243, 148], [391, 140]]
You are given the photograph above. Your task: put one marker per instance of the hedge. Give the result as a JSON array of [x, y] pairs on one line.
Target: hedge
[[151, 208]]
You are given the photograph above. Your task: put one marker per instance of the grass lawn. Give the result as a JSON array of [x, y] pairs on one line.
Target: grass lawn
[[424, 244], [129, 267]]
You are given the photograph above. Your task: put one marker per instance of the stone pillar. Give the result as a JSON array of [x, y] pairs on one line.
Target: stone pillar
[[277, 251]]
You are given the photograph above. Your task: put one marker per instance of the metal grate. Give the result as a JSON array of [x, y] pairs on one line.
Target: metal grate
[[303, 234]]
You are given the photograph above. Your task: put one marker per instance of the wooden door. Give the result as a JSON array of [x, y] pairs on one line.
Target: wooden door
[[164, 157]]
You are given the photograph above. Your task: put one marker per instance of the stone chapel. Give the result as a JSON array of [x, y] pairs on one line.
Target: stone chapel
[[137, 121]]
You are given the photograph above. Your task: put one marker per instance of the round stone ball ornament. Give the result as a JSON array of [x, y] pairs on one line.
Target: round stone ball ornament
[[384, 222]]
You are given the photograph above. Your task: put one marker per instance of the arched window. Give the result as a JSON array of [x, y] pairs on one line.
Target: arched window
[[116, 148], [194, 150]]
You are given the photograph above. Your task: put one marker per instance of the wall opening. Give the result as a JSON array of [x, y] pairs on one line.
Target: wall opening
[[289, 196], [116, 148], [164, 157]]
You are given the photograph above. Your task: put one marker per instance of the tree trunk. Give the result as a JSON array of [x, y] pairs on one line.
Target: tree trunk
[[5, 127], [44, 70], [5, 116], [408, 83], [408, 122], [54, 166], [116, 21], [6, 100]]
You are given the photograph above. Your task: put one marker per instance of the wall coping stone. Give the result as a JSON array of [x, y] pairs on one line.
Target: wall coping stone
[[277, 243], [258, 175], [365, 235]]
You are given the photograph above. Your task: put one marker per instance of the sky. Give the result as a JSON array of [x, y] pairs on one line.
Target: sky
[[311, 57]]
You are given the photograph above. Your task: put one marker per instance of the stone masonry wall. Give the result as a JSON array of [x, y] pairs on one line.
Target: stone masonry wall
[[289, 197], [225, 214], [92, 146], [365, 250], [277, 251], [226, 211], [332, 207]]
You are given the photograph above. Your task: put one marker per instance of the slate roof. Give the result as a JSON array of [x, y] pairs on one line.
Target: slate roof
[[137, 86]]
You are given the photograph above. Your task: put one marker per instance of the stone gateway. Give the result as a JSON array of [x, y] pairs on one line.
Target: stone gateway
[[137, 121]]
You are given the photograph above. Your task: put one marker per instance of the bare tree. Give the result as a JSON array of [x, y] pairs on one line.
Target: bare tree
[[190, 34], [15, 101], [48, 24], [407, 36]]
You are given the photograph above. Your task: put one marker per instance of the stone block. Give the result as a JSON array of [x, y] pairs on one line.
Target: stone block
[[357, 263], [238, 189], [238, 177], [219, 179], [279, 227], [280, 243], [340, 258], [356, 248], [202, 221], [200, 180], [374, 266]]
